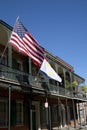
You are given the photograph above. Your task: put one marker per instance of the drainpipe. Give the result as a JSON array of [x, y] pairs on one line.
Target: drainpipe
[[74, 113]]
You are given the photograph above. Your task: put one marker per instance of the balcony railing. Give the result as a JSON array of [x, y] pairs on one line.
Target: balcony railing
[[60, 90], [13, 75]]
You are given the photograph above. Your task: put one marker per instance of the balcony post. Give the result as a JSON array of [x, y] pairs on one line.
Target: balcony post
[[30, 108], [59, 111], [9, 55], [67, 114], [70, 81], [64, 79], [49, 118], [9, 109], [74, 113], [30, 66], [47, 110]]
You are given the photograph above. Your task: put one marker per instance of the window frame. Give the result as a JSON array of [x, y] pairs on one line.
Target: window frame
[[21, 65]]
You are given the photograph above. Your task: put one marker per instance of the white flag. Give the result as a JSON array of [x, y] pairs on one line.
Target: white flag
[[49, 71]]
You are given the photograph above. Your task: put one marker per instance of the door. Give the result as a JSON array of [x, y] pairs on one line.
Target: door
[[63, 114], [33, 120], [35, 116]]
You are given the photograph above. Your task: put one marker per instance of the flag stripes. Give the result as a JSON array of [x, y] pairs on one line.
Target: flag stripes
[[26, 44]]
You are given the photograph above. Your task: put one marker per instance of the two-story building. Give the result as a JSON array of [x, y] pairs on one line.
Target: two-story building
[[28, 100]]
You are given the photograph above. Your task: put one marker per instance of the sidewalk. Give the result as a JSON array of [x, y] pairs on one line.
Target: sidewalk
[[79, 128]]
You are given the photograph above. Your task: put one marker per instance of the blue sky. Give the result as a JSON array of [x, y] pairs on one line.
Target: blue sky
[[60, 26]]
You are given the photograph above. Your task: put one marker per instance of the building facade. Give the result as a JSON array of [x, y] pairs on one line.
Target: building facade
[[28, 100]]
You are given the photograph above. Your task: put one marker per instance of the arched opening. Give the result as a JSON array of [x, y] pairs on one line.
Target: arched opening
[[67, 80]]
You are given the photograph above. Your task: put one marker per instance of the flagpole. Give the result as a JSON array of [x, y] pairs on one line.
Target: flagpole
[[6, 45], [3, 53]]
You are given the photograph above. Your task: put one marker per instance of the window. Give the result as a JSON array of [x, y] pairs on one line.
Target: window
[[82, 113], [19, 68], [19, 110], [3, 59], [34, 69], [3, 113], [19, 65]]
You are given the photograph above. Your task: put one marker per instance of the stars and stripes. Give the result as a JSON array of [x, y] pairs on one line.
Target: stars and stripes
[[22, 40]]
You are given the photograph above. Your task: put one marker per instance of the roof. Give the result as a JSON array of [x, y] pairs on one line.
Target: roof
[[5, 24], [60, 61]]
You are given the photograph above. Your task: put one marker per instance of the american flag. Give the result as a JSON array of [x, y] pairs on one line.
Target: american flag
[[22, 40]]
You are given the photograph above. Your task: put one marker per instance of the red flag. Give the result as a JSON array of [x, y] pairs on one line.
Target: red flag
[[22, 40]]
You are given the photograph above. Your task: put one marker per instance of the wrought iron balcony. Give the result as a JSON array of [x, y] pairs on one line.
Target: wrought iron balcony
[[15, 76], [8, 73]]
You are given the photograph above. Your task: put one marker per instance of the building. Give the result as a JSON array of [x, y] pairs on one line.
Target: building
[[28, 101]]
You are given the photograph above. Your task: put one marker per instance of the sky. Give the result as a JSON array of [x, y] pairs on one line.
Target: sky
[[60, 26]]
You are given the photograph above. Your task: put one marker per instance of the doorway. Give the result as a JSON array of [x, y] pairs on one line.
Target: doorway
[[63, 115]]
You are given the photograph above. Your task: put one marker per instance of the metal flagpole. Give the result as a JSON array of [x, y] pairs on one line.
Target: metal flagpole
[[6, 45], [3, 53], [9, 116]]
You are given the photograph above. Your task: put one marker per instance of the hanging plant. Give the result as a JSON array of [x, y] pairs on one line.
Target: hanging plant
[[74, 84], [84, 88]]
